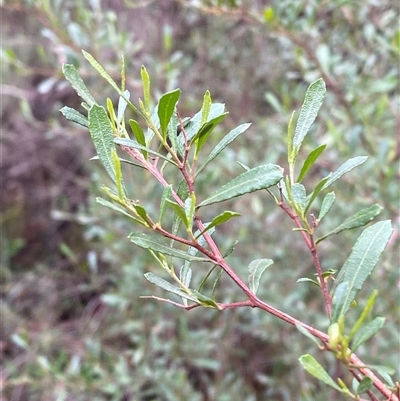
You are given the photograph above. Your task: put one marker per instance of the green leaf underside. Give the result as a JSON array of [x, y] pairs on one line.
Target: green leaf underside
[[256, 269], [230, 137], [179, 211], [361, 218], [315, 369], [309, 110], [102, 137], [345, 168], [74, 116], [165, 285], [326, 205], [311, 158], [77, 83], [221, 218], [166, 108], [338, 300], [363, 258], [367, 332], [150, 242], [260, 177], [139, 135]]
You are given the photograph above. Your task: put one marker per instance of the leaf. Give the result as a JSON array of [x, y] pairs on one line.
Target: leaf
[[338, 300], [102, 137], [365, 385], [190, 204], [77, 83], [205, 109], [315, 193], [363, 258], [173, 134], [221, 218], [311, 158], [305, 332], [315, 369], [133, 144], [165, 285], [74, 116], [150, 242], [185, 275], [326, 205], [118, 209], [345, 168], [204, 300], [309, 110], [308, 280], [256, 269], [299, 196], [122, 103], [139, 135], [179, 211], [361, 218], [230, 137], [205, 132], [367, 332], [163, 204], [146, 88], [118, 175], [166, 108], [260, 177]]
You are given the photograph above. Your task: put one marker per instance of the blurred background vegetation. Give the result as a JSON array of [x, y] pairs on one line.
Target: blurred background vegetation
[[73, 325]]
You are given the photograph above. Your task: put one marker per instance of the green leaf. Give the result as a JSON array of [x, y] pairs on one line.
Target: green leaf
[[365, 385], [344, 168], [315, 193], [185, 275], [256, 269], [326, 205], [74, 116], [77, 83], [146, 88], [150, 242], [305, 332], [122, 103], [190, 205], [136, 145], [360, 219], [166, 108], [315, 369], [119, 209], [179, 211], [309, 110], [308, 280], [338, 299], [260, 177], [204, 300], [118, 175], [205, 109], [165, 285], [163, 204], [223, 144], [311, 158], [299, 197], [139, 135], [221, 218], [367, 309], [367, 332], [102, 137], [173, 134], [111, 113], [363, 258]]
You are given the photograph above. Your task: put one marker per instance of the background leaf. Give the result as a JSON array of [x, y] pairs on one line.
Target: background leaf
[[260, 177]]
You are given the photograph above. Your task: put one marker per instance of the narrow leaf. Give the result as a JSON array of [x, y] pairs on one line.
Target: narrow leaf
[[74, 116], [311, 158], [166, 108], [260, 177], [205, 110], [363, 258], [315, 193], [118, 175], [146, 88], [163, 204], [185, 275], [299, 196], [122, 103], [365, 385], [360, 219], [338, 299], [118, 209], [150, 242], [326, 205], [305, 332], [367, 332], [102, 137], [230, 137], [165, 285], [309, 110], [77, 83], [256, 269], [190, 204], [179, 211], [345, 168], [315, 369], [139, 135], [204, 300], [221, 218]]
